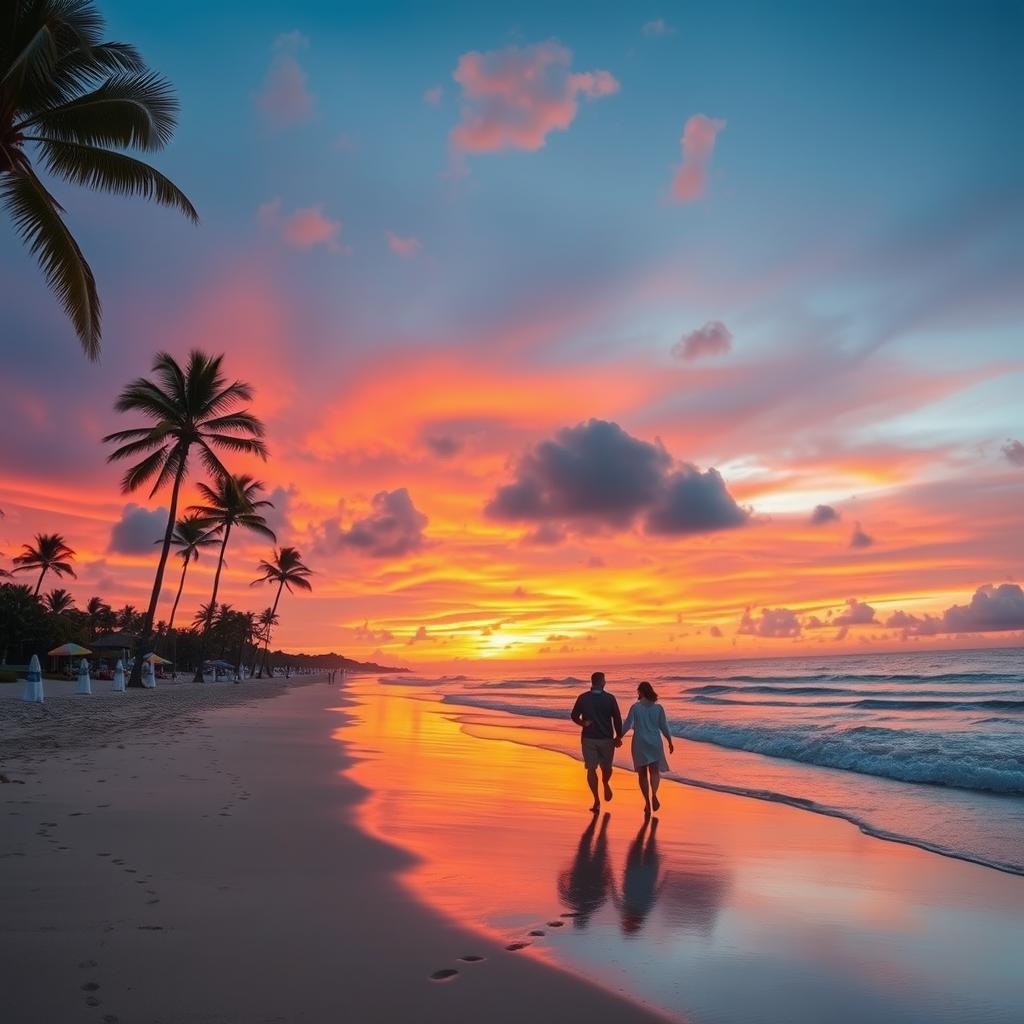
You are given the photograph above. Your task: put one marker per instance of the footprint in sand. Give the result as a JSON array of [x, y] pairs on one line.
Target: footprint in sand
[[536, 931], [90, 986], [92, 1001], [556, 924], [570, 913], [470, 958], [513, 946], [444, 975]]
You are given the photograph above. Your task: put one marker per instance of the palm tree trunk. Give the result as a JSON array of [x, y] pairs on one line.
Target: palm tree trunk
[[39, 582], [135, 679], [212, 606], [266, 643], [177, 597]]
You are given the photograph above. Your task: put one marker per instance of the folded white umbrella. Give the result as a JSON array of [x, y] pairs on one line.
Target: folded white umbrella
[[118, 685], [34, 683], [84, 682], [148, 675]]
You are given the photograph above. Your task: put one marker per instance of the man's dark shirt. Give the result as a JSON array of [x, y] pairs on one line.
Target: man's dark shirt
[[601, 710]]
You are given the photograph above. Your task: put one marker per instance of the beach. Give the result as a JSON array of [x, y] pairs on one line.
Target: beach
[[326, 853]]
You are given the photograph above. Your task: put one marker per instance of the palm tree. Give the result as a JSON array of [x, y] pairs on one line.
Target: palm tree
[[233, 502], [127, 618], [194, 407], [190, 537], [286, 570], [98, 616], [50, 554], [65, 96], [58, 601]]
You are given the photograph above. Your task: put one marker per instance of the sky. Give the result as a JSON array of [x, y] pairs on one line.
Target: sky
[[582, 332]]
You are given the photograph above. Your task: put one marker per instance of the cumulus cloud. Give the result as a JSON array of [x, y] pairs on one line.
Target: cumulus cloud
[[657, 27], [856, 614], [303, 228], [546, 535], [419, 637], [514, 97], [774, 623], [823, 514], [1014, 452], [713, 339], [992, 609], [695, 502], [698, 143], [860, 539], [285, 98], [393, 528], [367, 635], [596, 475], [404, 247], [137, 530]]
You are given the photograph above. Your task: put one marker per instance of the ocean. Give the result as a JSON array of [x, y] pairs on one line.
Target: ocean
[[923, 747]]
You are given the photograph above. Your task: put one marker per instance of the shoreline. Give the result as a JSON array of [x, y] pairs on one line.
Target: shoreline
[[226, 843]]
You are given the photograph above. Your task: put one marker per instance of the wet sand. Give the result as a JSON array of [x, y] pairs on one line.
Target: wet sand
[[204, 866], [725, 909]]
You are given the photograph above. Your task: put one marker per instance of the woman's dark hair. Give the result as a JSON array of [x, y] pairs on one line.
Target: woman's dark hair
[[646, 691]]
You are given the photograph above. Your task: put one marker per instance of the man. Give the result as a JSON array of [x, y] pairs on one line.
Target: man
[[597, 714]]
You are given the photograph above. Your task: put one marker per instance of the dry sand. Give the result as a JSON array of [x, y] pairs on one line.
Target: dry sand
[[188, 855]]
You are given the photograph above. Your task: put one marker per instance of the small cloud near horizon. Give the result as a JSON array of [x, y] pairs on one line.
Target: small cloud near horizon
[[690, 180], [137, 530], [824, 514], [433, 96], [860, 539], [772, 623]]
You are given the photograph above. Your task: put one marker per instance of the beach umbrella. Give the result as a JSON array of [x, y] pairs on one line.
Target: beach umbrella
[[118, 685], [154, 659], [148, 675], [69, 651], [34, 683], [84, 682]]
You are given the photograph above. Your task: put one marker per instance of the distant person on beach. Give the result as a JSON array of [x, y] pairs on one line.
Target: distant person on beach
[[597, 714], [647, 720]]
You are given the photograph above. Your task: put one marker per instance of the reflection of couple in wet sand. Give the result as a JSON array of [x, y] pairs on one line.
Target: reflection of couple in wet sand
[[585, 886], [597, 714]]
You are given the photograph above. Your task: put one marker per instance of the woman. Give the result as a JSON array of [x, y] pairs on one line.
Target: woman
[[647, 720]]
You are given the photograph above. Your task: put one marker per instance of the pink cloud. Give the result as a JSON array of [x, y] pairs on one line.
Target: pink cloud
[[713, 339], [512, 98], [404, 247], [433, 95], [698, 143], [285, 98], [303, 228]]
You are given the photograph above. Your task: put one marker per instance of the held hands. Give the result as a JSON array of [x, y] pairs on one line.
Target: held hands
[[618, 741], [671, 748]]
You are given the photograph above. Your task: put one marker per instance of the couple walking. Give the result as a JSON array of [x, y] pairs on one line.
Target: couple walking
[[597, 714]]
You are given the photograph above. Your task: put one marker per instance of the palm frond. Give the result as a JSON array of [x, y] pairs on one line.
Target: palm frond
[[36, 216], [145, 470], [107, 171], [131, 110]]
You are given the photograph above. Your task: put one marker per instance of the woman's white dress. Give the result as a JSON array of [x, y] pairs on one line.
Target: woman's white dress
[[647, 720]]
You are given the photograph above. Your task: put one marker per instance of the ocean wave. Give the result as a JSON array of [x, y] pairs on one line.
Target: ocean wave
[[962, 760], [839, 691], [523, 684], [1015, 679], [869, 704]]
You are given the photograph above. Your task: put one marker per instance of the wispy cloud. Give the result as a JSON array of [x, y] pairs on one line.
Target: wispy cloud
[[302, 228], [285, 98]]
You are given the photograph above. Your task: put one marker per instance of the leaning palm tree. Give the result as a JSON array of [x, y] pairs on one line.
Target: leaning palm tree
[[190, 537], [50, 554], [189, 408], [58, 601], [233, 501], [286, 570], [65, 97]]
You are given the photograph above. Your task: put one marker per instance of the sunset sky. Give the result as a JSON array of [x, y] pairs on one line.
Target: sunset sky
[[580, 331]]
